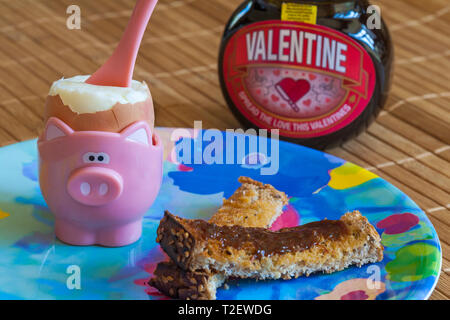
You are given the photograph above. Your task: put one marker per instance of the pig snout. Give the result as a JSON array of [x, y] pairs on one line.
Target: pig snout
[[94, 186]]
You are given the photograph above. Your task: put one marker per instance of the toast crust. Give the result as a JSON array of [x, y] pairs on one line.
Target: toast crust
[[169, 279]]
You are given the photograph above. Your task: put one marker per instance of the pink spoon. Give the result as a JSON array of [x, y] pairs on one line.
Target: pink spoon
[[118, 69]]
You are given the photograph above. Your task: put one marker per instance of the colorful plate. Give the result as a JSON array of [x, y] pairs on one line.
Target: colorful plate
[[34, 265]]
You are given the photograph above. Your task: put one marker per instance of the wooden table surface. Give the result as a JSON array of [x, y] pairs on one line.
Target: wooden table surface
[[408, 145]]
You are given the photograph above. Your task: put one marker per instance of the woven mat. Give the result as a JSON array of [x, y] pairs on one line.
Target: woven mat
[[408, 145]]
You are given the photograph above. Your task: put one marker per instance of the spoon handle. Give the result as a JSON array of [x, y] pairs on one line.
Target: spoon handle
[[118, 69]]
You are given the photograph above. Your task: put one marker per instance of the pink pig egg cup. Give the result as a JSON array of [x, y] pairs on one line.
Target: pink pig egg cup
[[99, 184]]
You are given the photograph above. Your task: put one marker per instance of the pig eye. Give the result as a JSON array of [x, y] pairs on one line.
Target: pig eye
[[102, 158], [89, 157]]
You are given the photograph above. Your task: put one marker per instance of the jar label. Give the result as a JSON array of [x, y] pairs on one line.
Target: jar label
[[301, 12], [306, 80]]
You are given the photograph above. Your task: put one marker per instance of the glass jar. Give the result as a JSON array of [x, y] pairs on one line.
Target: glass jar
[[319, 71]]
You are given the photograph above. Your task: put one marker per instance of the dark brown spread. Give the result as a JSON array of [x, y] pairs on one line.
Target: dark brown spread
[[264, 242]]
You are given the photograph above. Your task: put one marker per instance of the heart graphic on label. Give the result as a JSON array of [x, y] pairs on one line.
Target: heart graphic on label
[[293, 90], [293, 96]]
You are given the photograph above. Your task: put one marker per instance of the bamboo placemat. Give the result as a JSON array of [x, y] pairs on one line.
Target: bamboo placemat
[[408, 145]]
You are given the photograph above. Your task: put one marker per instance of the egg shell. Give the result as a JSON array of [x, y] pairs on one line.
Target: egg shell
[[113, 120]]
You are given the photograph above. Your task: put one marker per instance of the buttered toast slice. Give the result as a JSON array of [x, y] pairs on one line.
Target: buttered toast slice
[[253, 204], [323, 246]]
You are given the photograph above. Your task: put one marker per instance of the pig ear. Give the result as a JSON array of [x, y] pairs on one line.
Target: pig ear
[[56, 128], [138, 132]]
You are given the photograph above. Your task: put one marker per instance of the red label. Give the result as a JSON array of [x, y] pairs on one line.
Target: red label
[[306, 80]]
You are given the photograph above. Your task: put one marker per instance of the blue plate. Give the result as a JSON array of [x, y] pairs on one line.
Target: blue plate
[[35, 265]]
